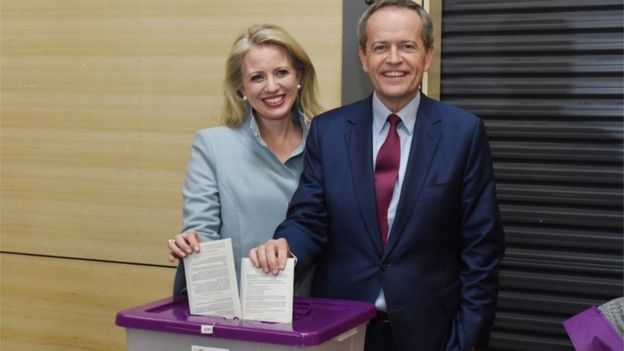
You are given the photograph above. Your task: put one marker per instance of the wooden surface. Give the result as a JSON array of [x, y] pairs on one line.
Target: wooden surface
[[59, 304], [431, 81], [100, 100]]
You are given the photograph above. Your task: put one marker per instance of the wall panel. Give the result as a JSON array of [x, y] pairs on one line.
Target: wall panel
[[100, 100], [66, 304], [99, 104]]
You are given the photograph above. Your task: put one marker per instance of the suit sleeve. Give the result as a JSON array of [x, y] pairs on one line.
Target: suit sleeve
[[482, 241], [305, 227]]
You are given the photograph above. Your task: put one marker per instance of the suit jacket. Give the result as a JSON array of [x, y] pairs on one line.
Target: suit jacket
[[439, 269]]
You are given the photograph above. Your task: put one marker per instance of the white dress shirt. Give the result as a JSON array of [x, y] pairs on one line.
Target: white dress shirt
[[405, 129]]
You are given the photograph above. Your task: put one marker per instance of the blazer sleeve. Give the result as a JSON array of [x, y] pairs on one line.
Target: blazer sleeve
[[306, 223], [482, 248], [202, 208]]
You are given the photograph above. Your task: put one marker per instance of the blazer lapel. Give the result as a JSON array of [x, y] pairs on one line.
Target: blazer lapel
[[359, 145], [424, 145]]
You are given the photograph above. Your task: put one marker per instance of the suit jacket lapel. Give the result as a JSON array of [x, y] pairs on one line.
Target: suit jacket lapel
[[424, 145], [359, 145]]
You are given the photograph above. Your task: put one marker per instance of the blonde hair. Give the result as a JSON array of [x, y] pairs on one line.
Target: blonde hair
[[267, 34]]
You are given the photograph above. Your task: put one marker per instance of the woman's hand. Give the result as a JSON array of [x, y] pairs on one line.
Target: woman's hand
[[183, 245]]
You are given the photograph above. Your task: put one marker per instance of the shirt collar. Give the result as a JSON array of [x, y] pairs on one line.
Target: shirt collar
[[297, 116], [407, 114]]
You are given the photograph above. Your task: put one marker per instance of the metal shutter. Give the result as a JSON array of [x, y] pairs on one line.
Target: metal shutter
[[546, 76]]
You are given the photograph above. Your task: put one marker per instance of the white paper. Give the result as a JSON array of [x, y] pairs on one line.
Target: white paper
[[267, 297], [211, 280]]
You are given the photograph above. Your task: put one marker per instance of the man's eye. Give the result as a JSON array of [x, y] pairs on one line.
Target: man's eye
[[379, 48]]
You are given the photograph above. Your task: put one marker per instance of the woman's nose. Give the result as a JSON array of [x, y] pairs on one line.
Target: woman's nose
[[271, 84]]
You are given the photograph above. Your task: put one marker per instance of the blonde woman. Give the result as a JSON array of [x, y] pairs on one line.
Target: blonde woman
[[241, 176]]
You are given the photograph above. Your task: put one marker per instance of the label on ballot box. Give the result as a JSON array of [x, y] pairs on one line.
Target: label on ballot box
[[202, 348]]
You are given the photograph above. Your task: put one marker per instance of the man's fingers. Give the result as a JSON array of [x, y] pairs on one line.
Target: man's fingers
[[277, 254], [282, 253], [271, 256], [253, 256], [262, 257]]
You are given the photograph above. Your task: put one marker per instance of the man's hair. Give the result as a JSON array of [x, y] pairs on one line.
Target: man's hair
[[426, 22]]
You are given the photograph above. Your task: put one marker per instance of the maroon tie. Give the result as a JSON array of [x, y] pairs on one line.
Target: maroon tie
[[386, 172]]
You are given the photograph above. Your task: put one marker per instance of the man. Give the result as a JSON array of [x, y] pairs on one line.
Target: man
[[426, 250]]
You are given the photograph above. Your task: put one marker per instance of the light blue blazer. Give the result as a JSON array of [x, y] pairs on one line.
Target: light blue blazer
[[237, 188]]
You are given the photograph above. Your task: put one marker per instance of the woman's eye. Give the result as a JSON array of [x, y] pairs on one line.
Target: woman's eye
[[256, 78], [282, 73]]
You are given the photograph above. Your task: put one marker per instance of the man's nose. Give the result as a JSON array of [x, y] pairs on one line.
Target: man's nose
[[394, 55]]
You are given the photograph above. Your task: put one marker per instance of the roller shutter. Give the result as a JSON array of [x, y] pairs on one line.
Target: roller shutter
[[546, 76]]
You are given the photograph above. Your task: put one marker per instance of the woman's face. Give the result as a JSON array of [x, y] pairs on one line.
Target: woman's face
[[269, 82]]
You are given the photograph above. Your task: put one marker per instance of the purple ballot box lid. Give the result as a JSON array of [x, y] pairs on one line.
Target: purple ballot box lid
[[314, 321]]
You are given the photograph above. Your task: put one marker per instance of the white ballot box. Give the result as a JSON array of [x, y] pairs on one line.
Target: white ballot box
[[318, 325]]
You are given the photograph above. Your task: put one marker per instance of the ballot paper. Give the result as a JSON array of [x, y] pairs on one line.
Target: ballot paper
[[267, 297], [211, 280], [213, 290]]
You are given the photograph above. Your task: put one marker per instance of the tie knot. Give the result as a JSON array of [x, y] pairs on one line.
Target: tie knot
[[394, 120]]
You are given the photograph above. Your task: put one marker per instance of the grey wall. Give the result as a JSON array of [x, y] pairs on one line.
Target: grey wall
[[355, 84]]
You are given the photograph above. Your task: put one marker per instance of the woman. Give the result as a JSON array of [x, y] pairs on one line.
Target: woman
[[241, 176]]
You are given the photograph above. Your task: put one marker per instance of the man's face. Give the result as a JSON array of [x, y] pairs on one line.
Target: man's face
[[395, 57]]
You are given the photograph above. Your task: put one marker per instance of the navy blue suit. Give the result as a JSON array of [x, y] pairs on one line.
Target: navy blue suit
[[439, 270]]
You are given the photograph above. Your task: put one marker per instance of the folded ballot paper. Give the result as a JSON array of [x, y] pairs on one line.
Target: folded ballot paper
[[213, 290]]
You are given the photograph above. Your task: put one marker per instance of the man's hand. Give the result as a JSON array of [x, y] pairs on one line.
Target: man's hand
[[270, 256]]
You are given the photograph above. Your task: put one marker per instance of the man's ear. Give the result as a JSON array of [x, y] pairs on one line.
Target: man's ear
[[428, 58]]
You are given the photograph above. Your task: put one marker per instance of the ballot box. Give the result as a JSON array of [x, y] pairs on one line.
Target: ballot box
[[318, 324]]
